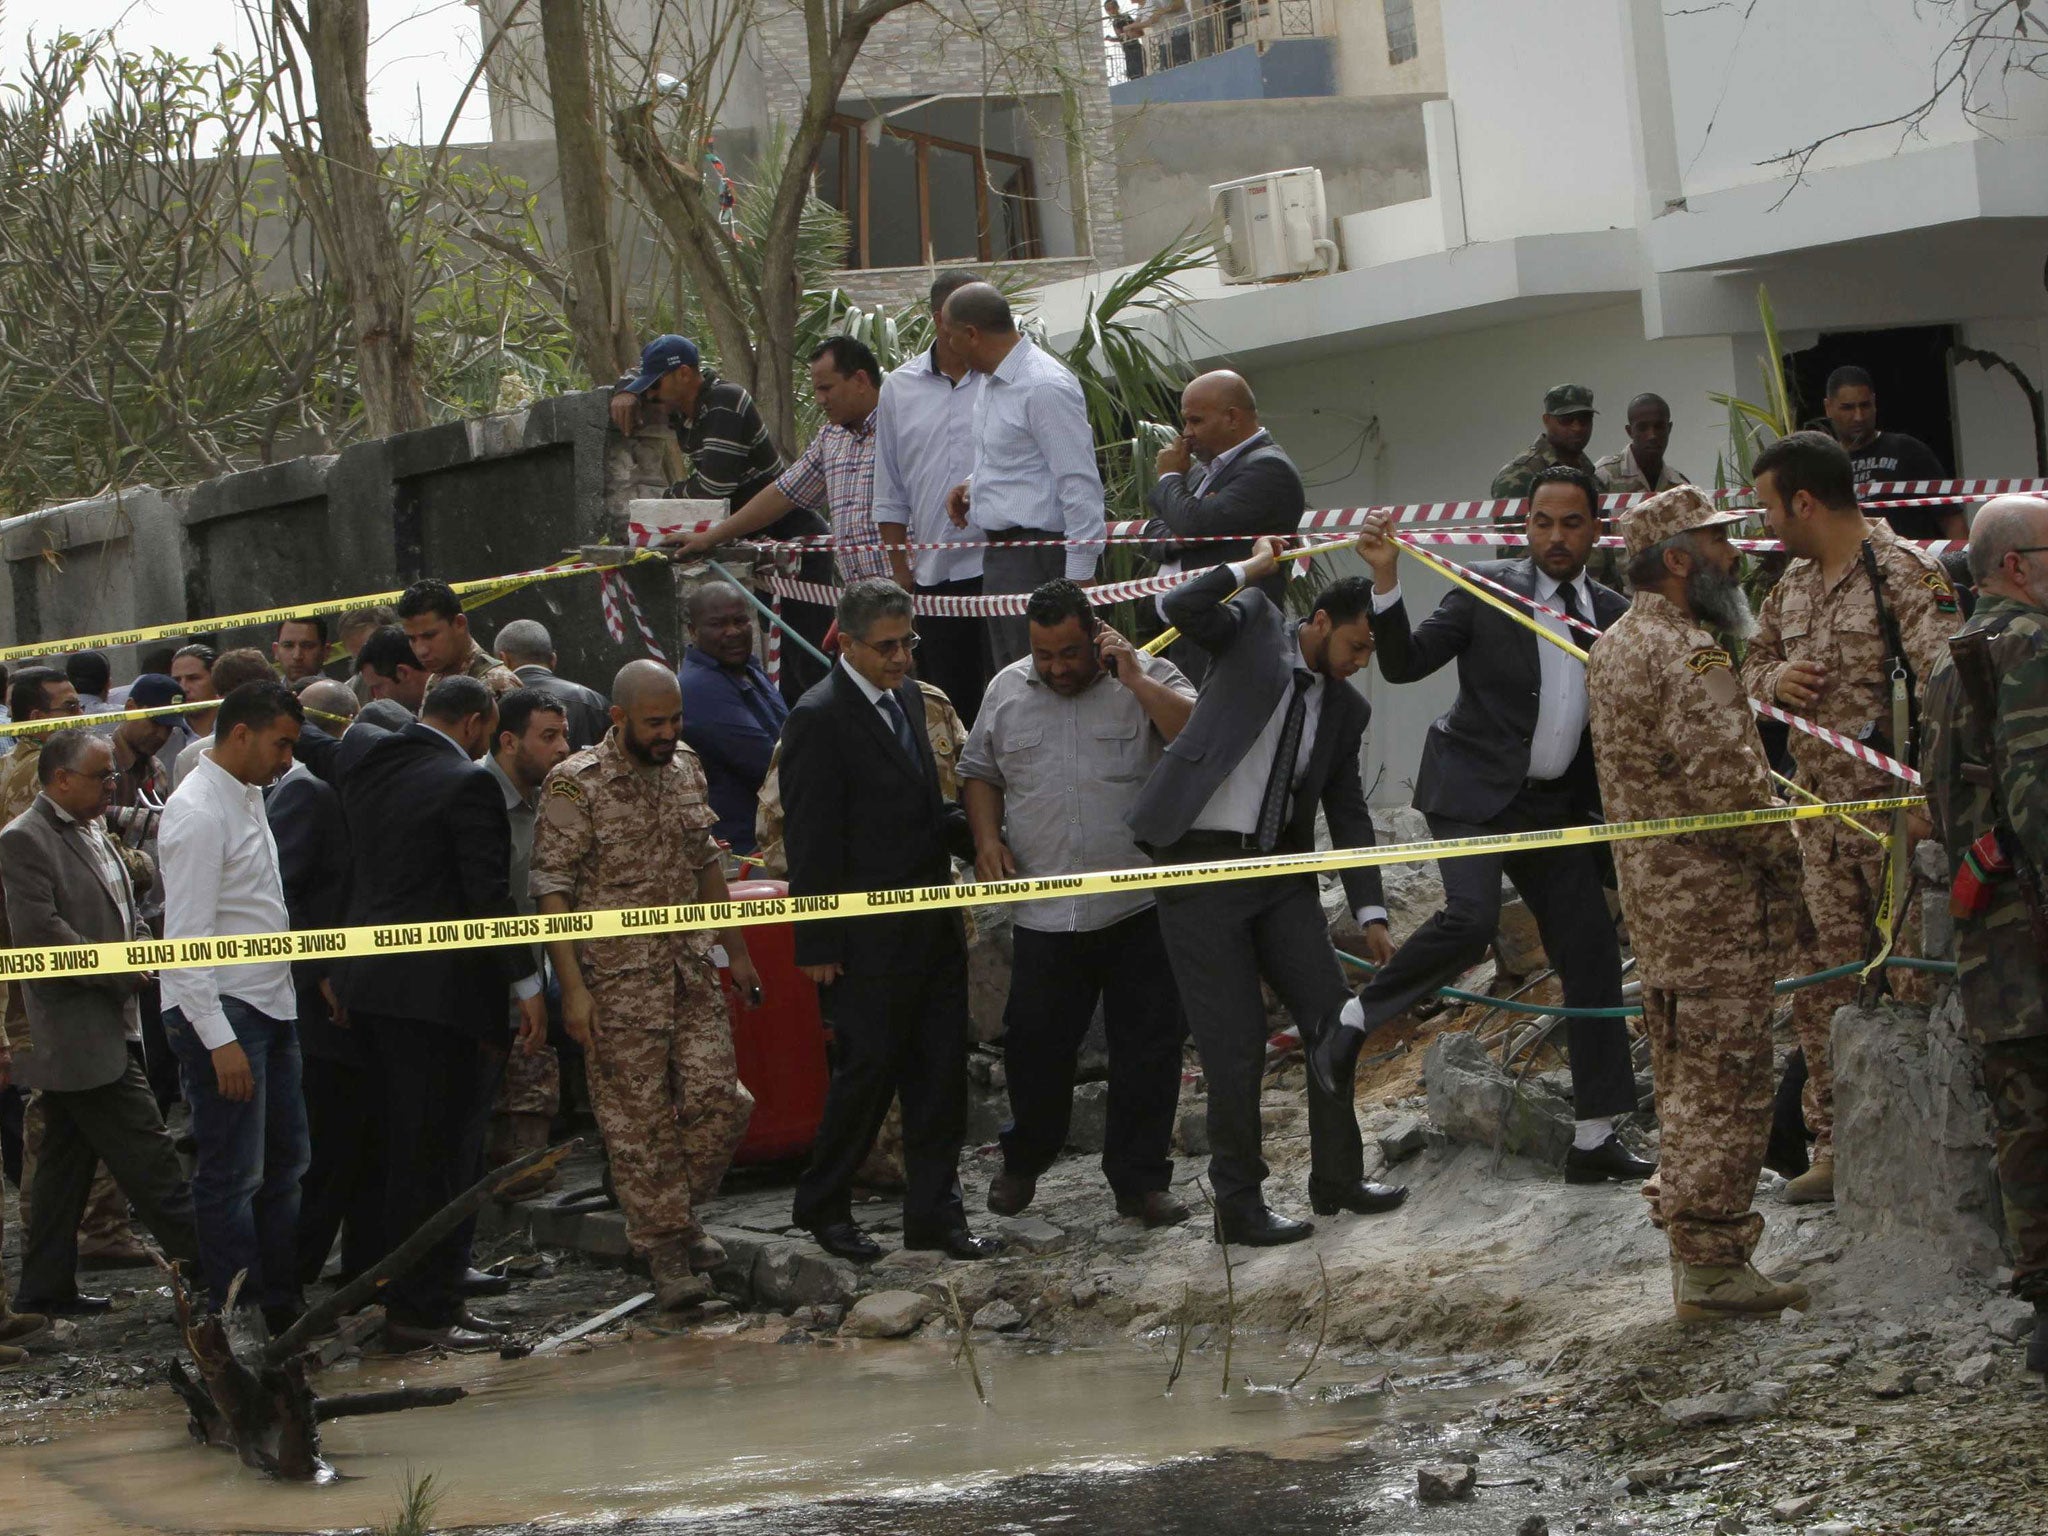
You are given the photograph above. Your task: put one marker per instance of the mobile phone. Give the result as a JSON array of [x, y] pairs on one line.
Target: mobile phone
[[1108, 662]]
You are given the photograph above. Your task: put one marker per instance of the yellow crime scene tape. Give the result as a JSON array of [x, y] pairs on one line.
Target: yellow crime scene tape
[[111, 716], [484, 589], [54, 962]]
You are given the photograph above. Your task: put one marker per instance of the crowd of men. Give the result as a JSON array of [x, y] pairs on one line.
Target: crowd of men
[[433, 780]]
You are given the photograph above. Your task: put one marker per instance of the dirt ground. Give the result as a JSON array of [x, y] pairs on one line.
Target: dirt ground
[[1897, 1403]]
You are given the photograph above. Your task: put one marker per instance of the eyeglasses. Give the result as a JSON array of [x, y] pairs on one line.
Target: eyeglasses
[[902, 647]]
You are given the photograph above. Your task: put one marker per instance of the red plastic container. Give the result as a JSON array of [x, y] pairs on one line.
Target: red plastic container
[[780, 1045]]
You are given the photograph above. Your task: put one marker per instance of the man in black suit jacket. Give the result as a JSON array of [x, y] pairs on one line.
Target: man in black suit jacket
[[342, 1189], [1275, 733], [860, 794], [430, 842], [1245, 485], [1513, 755]]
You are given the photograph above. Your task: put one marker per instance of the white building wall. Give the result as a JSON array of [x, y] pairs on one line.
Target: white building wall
[[1994, 428], [1751, 81], [1543, 132]]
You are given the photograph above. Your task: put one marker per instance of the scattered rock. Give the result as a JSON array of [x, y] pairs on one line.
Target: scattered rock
[[1759, 1400], [1833, 1528], [1090, 1122], [1891, 1381], [2010, 1318], [1797, 1508], [1463, 1458], [1471, 1099], [1976, 1370], [1533, 1525], [999, 1317], [886, 1315], [1032, 1234], [1191, 1128], [1445, 1482], [828, 1316], [1731, 1525], [1082, 1293], [791, 1275], [1402, 1140]]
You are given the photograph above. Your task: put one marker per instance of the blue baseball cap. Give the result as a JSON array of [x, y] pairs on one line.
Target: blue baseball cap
[[660, 356], [153, 690]]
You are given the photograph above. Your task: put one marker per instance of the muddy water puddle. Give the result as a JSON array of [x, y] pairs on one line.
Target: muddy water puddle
[[747, 1435]]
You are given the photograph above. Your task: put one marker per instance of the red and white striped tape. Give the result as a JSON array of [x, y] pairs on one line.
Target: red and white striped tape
[[1848, 744], [611, 587], [774, 666], [1008, 604]]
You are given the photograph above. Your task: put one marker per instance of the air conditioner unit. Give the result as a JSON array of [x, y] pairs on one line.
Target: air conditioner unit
[[1272, 226]]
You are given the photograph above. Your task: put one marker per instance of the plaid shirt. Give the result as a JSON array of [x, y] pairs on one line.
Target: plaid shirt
[[838, 471]]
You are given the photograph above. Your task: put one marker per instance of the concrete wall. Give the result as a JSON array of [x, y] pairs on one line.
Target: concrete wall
[[1360, 27], [1287, 66], [462, 501], [1371, 153]]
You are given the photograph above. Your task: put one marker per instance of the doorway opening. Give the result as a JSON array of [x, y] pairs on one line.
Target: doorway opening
[[1909, 368]]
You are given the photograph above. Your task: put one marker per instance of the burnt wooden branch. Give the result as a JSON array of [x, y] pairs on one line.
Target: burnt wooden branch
[[350, 1405]]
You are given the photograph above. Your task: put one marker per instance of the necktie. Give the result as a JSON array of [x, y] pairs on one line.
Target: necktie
[[1568, 600], [1280, 781], [893, 708]]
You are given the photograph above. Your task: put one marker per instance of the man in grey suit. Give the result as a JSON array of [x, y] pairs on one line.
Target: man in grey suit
[[1275, 733], [66, 885], [1245, 484]]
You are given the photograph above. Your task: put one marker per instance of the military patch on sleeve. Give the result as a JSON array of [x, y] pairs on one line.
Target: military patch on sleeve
[[1944, 594], [569, 789], [1708, 656], [1716, 671]]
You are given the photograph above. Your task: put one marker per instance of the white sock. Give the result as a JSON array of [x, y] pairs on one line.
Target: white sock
[[1352, 1015], [1588, 1134]]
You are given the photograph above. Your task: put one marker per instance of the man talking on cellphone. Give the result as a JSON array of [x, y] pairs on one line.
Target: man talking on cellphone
[[1065, 738]]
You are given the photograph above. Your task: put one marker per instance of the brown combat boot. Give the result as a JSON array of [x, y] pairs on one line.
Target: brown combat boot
[[12, 1358], [1708, 1293], [706, 1252], [1816, 1186], [19, 1325], [676, 1289]]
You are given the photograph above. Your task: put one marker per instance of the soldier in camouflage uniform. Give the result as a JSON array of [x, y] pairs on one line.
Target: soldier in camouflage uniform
[[1567, 427], [1824, 648], [439, 631], [1673, 736], [628, 824], [106, 1232], [1992, 773]]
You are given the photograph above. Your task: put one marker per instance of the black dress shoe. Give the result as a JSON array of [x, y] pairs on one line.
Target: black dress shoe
[[1262, 1228], [1156, 1208], [403, 1338], [1332, 1055], [1364, 1198], [468, 1319], [1009, 1193], [477, 1282], [1609, 1160], [844, 1240], [77, 1305], [960, 1244]]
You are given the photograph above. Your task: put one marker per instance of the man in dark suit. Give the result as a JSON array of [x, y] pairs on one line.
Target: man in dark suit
[[860, 794], [1245, 484], [1513, 755], [528, 649], [430, 842], [1275, 734], [342, 1190], [66, 885]]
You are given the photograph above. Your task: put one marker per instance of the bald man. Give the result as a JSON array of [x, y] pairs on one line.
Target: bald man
[[332, 703], [1224, 475], [1986, 759], [628, 824]]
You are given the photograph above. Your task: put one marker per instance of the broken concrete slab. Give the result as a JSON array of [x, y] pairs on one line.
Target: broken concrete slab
[[1445, 1482], [1758, 1400], [1033, 1234], [1471, 1099], [1403, 1139], [788, 1275]]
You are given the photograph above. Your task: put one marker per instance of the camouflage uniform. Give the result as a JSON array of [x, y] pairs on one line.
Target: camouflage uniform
[[1518, 474], [1673, 736], [2004, 986], [106, 1222], [663, 1082], [1622, 475], [1838, 626], [480, 663]]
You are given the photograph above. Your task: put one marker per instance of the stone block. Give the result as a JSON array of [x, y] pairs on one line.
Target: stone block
[[886, 1315], [1759, 1400], [998, 1316], [787, 1275], [1191, 1128], [1471, 1099], [1402, 1140], [1032, 1234], [1445, 1482], [1913, 1132], [1090, 1122]]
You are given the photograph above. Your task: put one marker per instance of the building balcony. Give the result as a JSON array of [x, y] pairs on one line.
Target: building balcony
[[1222, 50]]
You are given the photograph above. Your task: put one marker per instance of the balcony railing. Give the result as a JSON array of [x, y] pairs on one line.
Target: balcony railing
[[1149, 38]]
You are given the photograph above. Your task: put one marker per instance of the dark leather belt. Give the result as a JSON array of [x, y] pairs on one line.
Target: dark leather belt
[[1015, 535], [1203, 837], [1545, 784]]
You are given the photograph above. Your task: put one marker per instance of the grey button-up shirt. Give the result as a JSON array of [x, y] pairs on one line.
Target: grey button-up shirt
[[924, 446], [1070, 770]]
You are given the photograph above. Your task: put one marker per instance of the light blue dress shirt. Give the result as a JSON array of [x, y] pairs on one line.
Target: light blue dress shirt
[[1034, 456]]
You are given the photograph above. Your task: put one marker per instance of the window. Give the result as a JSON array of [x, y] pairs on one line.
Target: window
[[914, 199], [1400, 31]]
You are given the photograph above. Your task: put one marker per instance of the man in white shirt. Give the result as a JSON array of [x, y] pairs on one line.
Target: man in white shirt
[[233, 1027], [1513, 755], [1035, 477], [924, 446]]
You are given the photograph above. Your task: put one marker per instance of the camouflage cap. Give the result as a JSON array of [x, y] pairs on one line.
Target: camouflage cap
[[1568, 400], [1668, 514]]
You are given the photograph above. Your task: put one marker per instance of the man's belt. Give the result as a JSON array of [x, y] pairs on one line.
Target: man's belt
[[1016, 535]]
